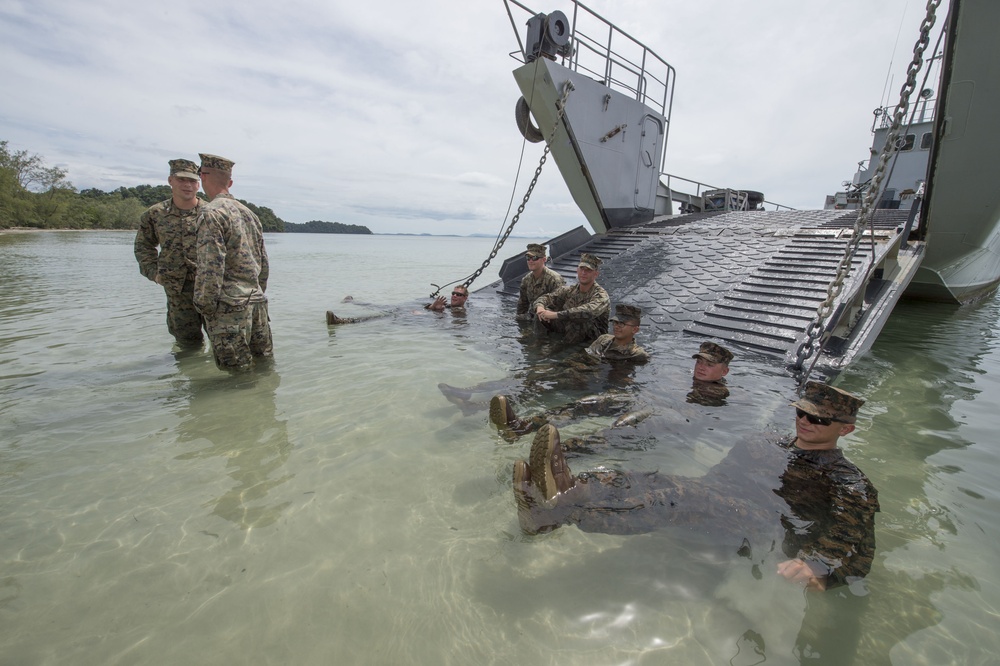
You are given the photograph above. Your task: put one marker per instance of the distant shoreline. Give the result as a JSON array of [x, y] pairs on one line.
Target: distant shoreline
[[28, 230]]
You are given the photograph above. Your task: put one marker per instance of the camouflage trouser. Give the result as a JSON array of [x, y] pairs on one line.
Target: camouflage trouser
[[573, 331], [260, 331], [238, 334], [184, 322], [626, 503]]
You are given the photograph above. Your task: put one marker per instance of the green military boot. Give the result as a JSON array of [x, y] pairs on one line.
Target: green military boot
[[503, 417], [549, 471]]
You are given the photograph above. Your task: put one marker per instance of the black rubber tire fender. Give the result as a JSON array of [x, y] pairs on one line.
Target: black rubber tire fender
[[522, 115]]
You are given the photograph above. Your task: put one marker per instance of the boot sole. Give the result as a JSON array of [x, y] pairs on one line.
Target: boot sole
[[540, 466], [498, 411]]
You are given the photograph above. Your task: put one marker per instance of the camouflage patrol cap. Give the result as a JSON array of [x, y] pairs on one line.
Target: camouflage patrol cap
[[627, 314], [183, 169], [591, 261], [535, 250], [216, 162], [827, 402], [713, 353]]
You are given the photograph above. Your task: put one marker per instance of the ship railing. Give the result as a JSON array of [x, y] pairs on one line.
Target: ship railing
[[610, 55], [690, 194], [923, 112]]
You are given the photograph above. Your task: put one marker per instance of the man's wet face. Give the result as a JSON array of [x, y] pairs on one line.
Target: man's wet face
[[707, 371]]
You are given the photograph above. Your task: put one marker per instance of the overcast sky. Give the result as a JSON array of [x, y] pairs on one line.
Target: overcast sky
[[399, 115]]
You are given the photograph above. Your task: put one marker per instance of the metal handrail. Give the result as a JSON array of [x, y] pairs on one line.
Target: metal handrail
[[642, 72], [699, 185]]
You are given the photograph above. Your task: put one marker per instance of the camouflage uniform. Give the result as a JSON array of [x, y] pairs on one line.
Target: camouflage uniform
[[230, 282], [533, 288], [710, 394], [175, 232], [824, 503], [582, 317], [605, 349]]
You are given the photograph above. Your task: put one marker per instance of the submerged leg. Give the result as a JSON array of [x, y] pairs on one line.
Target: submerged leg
[[334, 320]]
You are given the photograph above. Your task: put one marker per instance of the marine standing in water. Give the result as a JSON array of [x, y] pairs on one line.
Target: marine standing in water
[[539, 281], [580, 311], [172, 226], [232, 272], [805, 486]]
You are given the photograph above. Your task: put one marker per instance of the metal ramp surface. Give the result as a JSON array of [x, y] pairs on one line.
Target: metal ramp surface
[[753, 279]]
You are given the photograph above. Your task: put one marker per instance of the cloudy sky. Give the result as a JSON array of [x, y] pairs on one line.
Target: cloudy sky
[[399, 115]]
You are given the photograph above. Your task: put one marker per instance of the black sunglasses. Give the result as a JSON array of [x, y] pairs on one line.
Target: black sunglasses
[[460, 293], [815, 420]]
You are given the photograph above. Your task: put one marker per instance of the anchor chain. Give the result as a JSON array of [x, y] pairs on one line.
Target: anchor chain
[[560, 110], [809, 347]]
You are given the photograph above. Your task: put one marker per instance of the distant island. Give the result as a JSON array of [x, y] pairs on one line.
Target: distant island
[[36, 196], [318, 227]]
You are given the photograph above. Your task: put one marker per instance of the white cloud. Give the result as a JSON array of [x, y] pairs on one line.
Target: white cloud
[[399, 115]]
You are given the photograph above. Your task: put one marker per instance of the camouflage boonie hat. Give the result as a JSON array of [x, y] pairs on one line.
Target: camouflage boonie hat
[[216, 162], [535, 250], [827, 402], [183, 169], [713, 353], [591, 261], [627, 314]]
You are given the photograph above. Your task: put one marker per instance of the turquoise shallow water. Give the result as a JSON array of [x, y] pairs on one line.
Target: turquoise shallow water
[[337, 508]]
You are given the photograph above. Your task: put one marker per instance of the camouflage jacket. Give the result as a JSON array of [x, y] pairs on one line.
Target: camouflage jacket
[[828, 508], [605, 348], [532, 288], [581, 316], [232, 260], [175, 232], [831, 519]]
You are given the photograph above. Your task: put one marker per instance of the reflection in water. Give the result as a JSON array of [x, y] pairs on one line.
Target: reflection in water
[[709, 394], [235, 418], [934, 351]]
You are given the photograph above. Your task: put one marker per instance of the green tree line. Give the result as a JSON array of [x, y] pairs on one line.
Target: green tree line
[[318, 227], [37, 196]]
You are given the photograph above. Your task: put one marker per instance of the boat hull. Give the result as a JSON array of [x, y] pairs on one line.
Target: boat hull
[[962, 209]]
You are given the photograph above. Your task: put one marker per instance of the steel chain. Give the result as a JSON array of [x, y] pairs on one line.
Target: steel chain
[[561, 109], [814, 331]]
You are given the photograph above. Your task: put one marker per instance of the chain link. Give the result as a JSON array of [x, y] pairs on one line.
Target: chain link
[[561, 109], [814, 331]]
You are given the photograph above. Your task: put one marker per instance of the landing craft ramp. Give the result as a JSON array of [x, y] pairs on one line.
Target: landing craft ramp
[[753, 279]]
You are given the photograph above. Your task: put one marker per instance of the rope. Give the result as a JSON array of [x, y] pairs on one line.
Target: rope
[[812, 345]]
